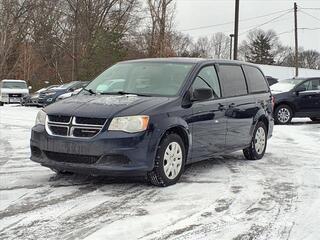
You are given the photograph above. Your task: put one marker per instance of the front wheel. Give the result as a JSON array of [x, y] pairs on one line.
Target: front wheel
[[169, 162], [258, 144], [283, 114], [1, 104]]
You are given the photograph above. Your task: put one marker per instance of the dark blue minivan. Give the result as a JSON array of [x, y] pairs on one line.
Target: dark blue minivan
[[151, 117]]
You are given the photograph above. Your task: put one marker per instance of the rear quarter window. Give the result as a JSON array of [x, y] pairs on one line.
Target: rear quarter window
[[232, 80], [256, 80]]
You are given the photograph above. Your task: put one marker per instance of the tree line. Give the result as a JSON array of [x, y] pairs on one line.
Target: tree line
[[58, 41]]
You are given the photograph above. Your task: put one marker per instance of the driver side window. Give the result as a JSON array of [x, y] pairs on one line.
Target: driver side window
[[312, 85], [208, 78]]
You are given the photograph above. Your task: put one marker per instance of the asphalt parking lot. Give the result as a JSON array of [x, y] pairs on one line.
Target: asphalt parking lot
[[277, 197]]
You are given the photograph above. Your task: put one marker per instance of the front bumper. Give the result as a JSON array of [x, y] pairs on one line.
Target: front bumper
[[108, 153]]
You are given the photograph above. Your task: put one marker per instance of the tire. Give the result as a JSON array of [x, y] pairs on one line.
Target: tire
[[283, 114], [258, 145], [1, 104], [61, 172], [167, 170], [314, 119]]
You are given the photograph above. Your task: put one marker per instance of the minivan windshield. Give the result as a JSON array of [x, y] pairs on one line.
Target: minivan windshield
[[141, 78], [285, 85], [14, 85]]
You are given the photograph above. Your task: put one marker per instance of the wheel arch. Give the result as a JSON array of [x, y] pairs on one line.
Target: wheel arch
[[291, 105], [183, 132], [260, 117]]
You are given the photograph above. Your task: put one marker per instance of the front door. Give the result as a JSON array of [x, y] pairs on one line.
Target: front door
[[308, 101], [208, 122]]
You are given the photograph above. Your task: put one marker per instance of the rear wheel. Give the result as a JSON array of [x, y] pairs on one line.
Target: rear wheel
[[283, 114], [314, 119], [169, 162], [1, 104], [258, 144]]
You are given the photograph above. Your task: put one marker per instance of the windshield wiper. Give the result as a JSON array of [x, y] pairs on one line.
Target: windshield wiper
[[125, 93], [89, 91]]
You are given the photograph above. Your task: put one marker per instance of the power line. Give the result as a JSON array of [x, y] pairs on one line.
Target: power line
[[305, 28], [310, 15], [311, 8], [269, 21], [232, 22], [285, 32]]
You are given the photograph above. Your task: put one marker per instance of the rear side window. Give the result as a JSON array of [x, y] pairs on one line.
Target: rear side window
[[256, 80], [233, 81]]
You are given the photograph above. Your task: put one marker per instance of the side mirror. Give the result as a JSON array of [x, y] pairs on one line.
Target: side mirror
[[300, 88], [200, 94], [29, 87]]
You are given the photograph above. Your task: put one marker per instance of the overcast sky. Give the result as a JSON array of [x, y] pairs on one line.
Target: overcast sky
[[198, 13]]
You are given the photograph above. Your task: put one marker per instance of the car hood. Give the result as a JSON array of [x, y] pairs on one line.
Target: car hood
[[104, 106]]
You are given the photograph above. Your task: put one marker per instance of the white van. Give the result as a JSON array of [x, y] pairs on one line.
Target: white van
[[11, 91]]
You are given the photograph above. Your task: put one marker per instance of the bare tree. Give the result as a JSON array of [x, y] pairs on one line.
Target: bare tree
[[162, 14], [220, 46], [13, 30], [310, 59], [202, 48]]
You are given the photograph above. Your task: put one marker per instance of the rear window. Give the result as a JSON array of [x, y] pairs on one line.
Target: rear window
[[233, 81], [256, 80]]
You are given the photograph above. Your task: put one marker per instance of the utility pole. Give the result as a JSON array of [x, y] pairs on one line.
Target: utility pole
[[236, 30], [296, 58], [231, 36]]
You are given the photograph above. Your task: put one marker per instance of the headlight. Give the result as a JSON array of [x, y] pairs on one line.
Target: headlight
[[41, 117], [50, 93], [130, 124]]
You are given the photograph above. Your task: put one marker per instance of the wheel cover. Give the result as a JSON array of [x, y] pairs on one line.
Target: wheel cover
[[260, 140], [172, 160], [283, 115]]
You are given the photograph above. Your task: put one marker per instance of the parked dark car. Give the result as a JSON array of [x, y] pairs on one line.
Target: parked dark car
[[271, 80], [297, 97], [168, 113], [32, 99], [50, 96]]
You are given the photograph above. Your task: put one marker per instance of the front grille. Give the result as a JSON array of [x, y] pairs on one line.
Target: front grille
[[71, 158], [90, 121], [83, 132], [80, 127], [15, 95], [114, 160], [59, 119], [59, 130]]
